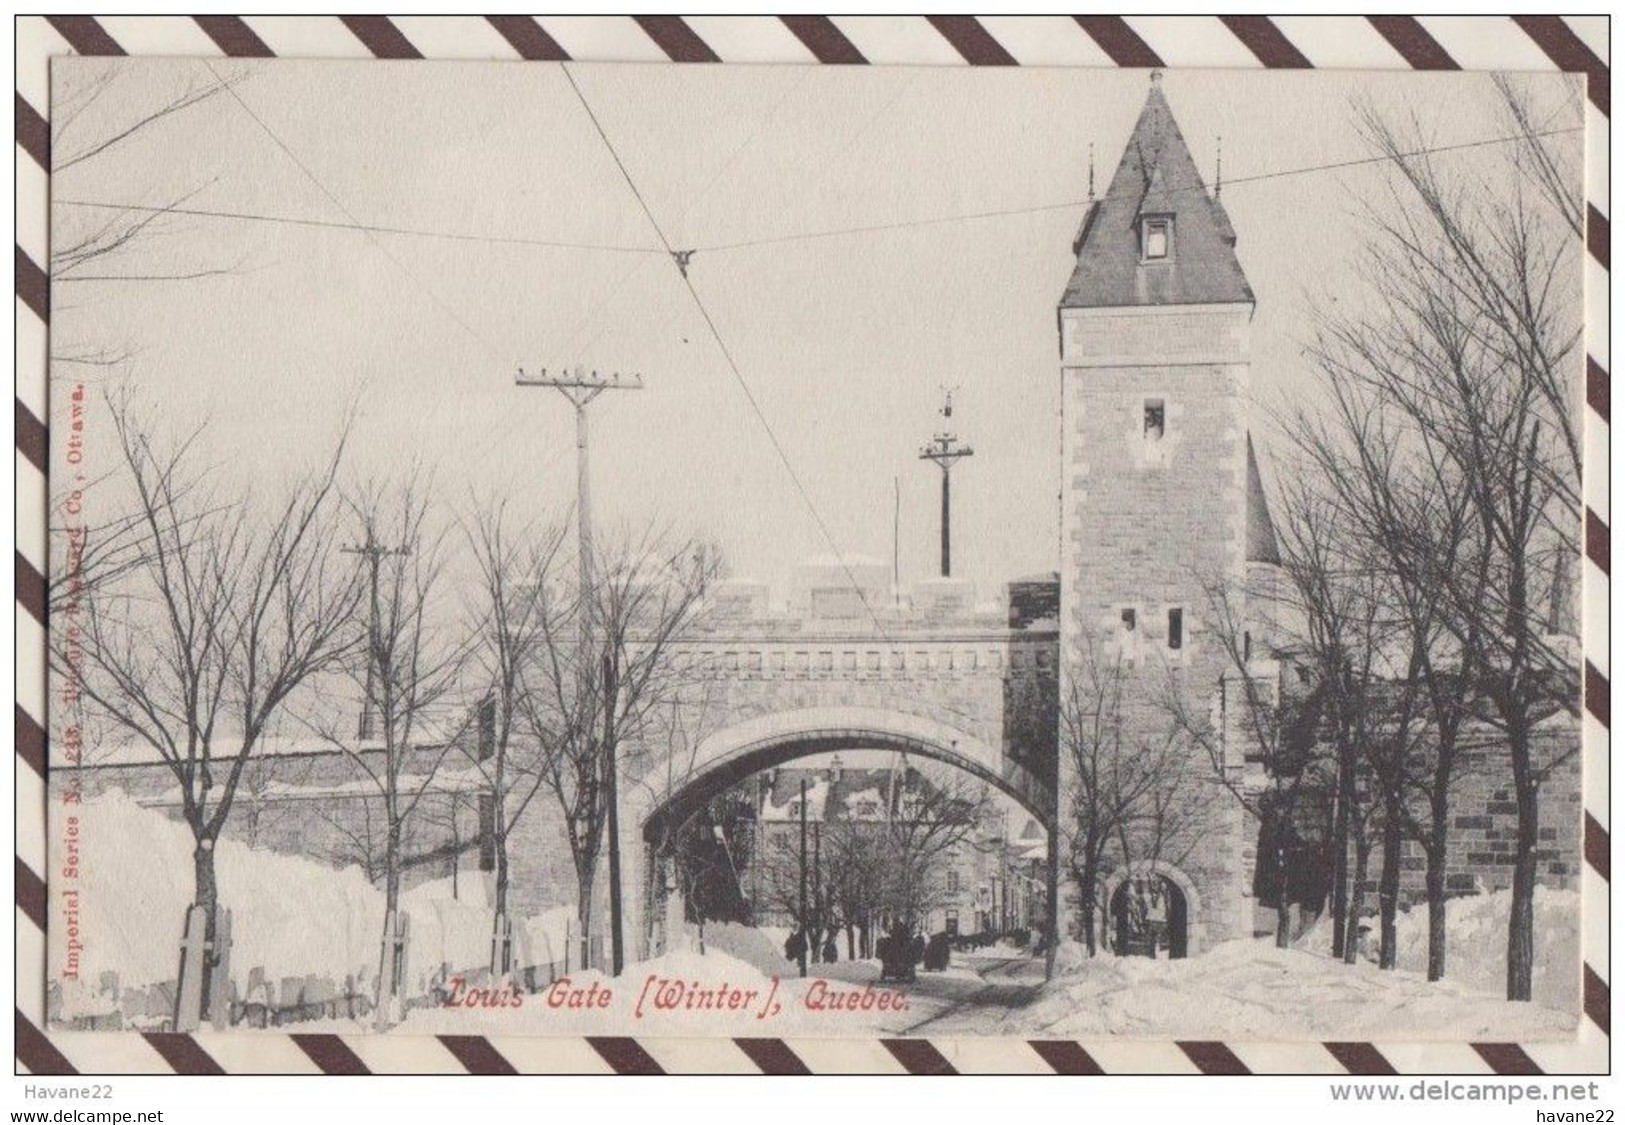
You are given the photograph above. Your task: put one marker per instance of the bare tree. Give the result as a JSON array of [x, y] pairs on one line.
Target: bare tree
[[931, 819], [94, 117], [196, 640], [1169, 803], [98, 241], [806, 888], [1474, 339], [1258, 725], [891, 862], [606, 665], [1091, 733], [446, 826], [407, 668], [353, 836], [1338, 633], [262, 797], [516, 569], [1403, 514], [786, 883], [853, 872], [1133, 800]]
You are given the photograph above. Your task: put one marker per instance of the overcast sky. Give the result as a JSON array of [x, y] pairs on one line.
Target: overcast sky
[[844, 341]]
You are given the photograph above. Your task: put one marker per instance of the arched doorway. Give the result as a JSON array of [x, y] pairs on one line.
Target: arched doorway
[[780, 740], [1150, 917]]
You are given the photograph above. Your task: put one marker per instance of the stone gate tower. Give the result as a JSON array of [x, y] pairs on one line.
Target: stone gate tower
[[1156, 470]]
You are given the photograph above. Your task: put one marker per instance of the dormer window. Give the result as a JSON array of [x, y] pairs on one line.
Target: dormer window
[[1156, 238]]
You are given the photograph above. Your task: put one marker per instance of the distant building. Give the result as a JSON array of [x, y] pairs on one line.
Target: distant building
[[990, 882]]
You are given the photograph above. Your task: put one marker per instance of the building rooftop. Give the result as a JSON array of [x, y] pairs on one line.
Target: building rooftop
[[1156, 177], [1261, 544]]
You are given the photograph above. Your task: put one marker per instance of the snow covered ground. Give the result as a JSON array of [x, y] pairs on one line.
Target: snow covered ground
[[295, 917], [1476, 946], [292, 917], [1249, 990], [1243, 990]]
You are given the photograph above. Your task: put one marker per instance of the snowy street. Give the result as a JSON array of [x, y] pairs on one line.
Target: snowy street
[[979, 989], [1252, 990], [1248, 988]]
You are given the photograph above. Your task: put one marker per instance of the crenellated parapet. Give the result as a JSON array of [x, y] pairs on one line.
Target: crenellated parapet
[[846, 622]]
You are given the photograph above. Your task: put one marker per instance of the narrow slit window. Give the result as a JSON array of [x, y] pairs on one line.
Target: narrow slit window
[[1176, 628], [1156, 419], [1129, 620]]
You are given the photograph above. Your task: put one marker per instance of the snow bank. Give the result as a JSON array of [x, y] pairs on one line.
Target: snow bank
[[446, 933], [1476, 944], [1242, 990], [753, 946], [1249, 990], [551, 937], [291, 917]]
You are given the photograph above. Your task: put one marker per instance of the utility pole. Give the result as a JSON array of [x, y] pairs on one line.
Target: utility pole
[[802, 915], [581, 387], [945, 449], [374, 553], [817, 881], [392, 947], [896, 528]]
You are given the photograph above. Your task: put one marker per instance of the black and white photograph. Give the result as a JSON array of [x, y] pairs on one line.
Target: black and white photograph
[[618, 549]]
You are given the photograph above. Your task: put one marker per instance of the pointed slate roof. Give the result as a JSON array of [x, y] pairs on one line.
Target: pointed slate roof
[[1261, 544], [1156, 176]]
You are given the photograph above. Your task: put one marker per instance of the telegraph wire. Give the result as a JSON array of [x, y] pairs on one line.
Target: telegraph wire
[[573, 346], [371, 235], [371, 232], [348, 214], [1074, 204], [642, 257], [667, 250], [733, 366], [619, 163], [366, 228]]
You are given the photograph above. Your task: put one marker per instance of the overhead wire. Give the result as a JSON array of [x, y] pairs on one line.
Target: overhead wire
[[373, 231], [365, 228], [355, 225], [348, 214], [1073, 204], [728, 357]]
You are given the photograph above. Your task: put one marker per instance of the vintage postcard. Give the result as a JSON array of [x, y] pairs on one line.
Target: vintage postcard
[[742, 551]]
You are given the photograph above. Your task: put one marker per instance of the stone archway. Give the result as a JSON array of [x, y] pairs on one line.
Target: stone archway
[[1183, 918], [771, 740], [764, 742]]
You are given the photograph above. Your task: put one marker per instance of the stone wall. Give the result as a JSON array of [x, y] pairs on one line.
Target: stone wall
[[983, 690], [928, 670], [991, 684], [1484, 821], [319, 805], [1151, 526]]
